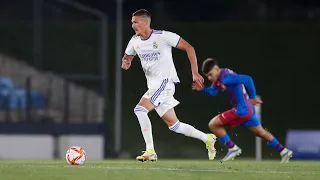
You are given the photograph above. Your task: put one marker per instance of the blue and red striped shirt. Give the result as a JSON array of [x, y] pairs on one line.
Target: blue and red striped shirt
[[235, 86]]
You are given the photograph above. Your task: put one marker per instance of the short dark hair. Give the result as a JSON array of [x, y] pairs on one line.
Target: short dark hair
[[142, 12], [208, 64]]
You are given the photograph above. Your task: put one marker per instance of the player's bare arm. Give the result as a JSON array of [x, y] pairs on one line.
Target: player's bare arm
[[185, 46], [126, 61], [197, 86], [256, 100]]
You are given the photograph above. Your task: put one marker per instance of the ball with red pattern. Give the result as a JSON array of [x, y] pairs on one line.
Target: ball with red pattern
[[76, 155]]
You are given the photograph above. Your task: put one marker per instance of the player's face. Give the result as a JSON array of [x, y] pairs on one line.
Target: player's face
[[213, 75], [139, 24]]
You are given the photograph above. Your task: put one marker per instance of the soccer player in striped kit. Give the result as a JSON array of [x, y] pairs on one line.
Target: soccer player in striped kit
[[242, 112], [154, 48]]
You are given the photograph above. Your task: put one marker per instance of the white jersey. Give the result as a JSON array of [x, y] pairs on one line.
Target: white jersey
[[155, 55]]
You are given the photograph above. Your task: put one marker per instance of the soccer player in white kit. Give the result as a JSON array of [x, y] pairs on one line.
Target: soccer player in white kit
[[154, 50]]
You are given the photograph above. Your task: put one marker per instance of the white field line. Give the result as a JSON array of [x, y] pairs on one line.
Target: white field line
[[160, 169]]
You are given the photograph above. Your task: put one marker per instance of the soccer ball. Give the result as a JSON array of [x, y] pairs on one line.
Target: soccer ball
[[76, 155]]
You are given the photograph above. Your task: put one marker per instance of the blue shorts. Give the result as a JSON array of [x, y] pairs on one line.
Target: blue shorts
[[252, 122]]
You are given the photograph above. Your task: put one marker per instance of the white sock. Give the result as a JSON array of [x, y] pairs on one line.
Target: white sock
[[188, 130], [145, 124]]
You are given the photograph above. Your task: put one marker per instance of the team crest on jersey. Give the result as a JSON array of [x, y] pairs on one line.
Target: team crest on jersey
[[155, 45], [137, 47]]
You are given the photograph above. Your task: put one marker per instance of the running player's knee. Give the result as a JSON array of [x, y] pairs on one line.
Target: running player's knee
[[140, 109], [212, 122], [260, 132]]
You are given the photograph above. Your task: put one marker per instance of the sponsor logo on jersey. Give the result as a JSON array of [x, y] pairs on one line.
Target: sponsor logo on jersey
[[153, 56]]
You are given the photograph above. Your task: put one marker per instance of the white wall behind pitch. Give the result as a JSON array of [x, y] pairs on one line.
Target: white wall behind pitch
[[26, 147]]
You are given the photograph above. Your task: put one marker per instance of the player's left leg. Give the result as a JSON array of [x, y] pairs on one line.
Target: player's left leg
[[217, 127], [255, 127], [170, 118], [141, 111]]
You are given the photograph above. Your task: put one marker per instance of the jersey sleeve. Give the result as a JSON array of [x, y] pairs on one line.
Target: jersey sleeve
[[170, 38], [211, 91], [241, 79], [130, 49]]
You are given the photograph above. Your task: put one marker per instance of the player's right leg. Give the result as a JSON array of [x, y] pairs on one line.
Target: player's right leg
[[170, 118], [217, 127], [255, 127], [141, 111]]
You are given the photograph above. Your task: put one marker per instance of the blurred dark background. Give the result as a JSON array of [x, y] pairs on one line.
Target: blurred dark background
[[60, 73]]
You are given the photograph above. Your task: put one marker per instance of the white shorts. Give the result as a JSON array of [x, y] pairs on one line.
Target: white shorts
[[161, 95]]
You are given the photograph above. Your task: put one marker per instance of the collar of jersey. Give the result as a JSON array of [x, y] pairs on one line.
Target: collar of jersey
[[221, 74], [147, 37]]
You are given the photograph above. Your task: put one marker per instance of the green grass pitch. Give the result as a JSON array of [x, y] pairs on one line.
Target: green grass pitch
[[162, 170]]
